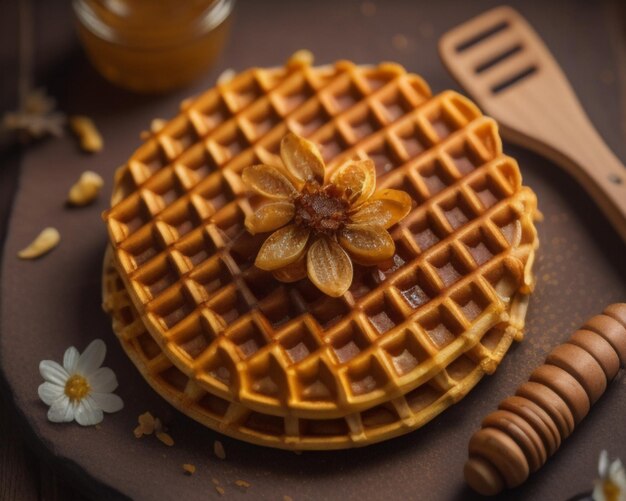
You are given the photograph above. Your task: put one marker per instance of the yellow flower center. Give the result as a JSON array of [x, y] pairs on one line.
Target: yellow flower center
[[321, 209], [77, 387], [610, 490]]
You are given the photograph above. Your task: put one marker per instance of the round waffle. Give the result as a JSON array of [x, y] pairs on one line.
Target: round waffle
[[463, 255], [372, 425]]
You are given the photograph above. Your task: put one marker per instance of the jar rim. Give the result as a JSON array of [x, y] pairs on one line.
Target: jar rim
[[213, 16]]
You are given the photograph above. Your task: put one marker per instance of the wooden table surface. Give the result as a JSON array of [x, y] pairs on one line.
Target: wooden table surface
[[23, 475]]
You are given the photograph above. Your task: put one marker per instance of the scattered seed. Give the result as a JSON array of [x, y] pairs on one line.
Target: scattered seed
[[220, 490], [165, 438], [87, 132], [226, 76], [98, 427], [189, 469], [86, 189], [242, 483], [215, 481], [138, 432], [287, 498], [218, 449], [47, 240]]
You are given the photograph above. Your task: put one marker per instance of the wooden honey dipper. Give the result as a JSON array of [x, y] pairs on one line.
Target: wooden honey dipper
[[528, 428]]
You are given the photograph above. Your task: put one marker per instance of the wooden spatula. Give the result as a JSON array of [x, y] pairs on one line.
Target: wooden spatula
[[504, 65]]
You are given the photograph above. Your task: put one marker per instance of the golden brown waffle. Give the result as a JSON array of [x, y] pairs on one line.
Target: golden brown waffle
[[372, 425], [463, 256]]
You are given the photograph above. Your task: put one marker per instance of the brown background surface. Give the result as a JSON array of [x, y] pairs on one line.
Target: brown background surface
[[50, 304]]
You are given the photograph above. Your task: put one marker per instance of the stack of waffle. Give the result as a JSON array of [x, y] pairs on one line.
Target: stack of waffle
[[282, 364]]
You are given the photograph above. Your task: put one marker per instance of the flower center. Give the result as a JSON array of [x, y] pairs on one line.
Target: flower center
[[610, 490], [77, 387], [323, 210]]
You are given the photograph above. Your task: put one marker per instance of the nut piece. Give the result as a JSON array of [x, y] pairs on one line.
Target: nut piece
[[165, 438], [218, 449], [47, 240], [86, 189], [88, 135], [189, 469]]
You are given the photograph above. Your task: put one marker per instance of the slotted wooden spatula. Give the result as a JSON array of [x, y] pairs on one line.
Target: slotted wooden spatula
[[504, 65]]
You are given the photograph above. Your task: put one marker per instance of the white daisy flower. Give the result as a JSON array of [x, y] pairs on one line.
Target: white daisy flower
[[79, 389], [612, 483]]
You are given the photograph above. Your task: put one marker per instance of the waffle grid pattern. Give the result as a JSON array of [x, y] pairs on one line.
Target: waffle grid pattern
[[462, 262], [371, 425]]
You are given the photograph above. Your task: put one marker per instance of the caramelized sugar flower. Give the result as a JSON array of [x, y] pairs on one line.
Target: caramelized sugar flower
[[321, 222]]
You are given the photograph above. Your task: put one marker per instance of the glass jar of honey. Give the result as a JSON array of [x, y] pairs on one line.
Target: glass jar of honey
[[152, 46]]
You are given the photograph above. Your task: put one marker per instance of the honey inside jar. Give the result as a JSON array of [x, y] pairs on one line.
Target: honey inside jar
[[152, 45]]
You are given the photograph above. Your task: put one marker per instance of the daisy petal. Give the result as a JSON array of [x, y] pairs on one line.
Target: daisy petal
[[283, 247], [367, 244], [268, 182], [91, 359], [53, 372], [302, 158], [87, 413], [103, 380], [70, 359], [270, 217], [359, 178], [108, 402], [61, 410], [329, 267], [603, 463], [49, 392], [385, 208], [292, 272]]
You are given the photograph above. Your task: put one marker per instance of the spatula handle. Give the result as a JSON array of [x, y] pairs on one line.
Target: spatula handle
[[574, 144]]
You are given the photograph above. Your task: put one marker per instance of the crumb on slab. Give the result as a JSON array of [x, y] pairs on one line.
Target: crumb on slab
[[88, 134], [218, 449], [190, 469], [165, 438], [215, 481], [287, 498], [242, 483], [220, 490]]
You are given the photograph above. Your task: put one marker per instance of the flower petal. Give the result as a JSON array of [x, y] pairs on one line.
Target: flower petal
[[91, 359], [329, 267], [49, 392], [367, 244], [70, 359], [292, 272], [88, 413], [282, 247], [270, 217], [53, 372], [61, 410], [268, 182], [385, 208], [103, 380], [108, 402], [302, 158], [358, 178]]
